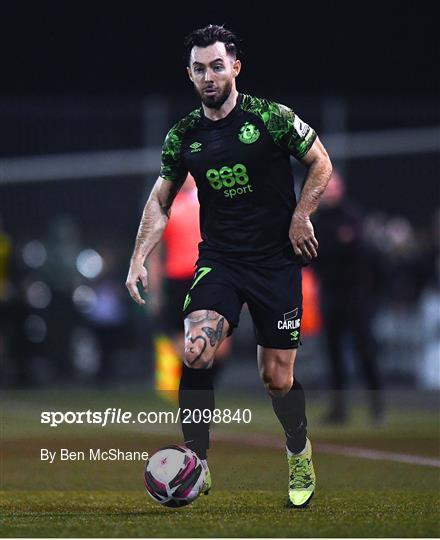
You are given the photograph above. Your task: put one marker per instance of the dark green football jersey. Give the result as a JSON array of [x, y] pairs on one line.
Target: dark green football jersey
[[241, 165]]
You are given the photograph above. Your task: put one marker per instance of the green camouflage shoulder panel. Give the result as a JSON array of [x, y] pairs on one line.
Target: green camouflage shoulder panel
[[172, 167], [288, 131]]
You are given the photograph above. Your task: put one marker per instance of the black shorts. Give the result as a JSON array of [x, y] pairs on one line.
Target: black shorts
[[273, 296], [174, 291]]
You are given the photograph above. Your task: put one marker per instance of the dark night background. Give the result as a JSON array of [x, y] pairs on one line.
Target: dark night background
[[134, 48]]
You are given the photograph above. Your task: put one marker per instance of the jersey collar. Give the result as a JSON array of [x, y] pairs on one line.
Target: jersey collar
[[223, 121]]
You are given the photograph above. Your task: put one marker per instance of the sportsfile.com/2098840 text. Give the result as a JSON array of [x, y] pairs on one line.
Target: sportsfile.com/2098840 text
[[112, 415]]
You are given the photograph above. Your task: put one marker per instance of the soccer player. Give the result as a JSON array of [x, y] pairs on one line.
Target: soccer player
[[255, 237]]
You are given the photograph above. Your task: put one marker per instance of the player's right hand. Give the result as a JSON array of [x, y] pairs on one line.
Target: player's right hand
[[137, 272]]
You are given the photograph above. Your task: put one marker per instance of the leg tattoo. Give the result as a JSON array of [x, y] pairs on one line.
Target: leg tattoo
[[196, 335], [201, 316], [214, 335], [191, 349]]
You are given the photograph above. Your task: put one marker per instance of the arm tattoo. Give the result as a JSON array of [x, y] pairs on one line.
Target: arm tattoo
[[154, 220], [214, 335], [148, 228], [314, 186]]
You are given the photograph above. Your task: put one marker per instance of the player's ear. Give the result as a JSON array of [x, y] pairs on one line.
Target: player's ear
[[189, 74], [236, 67]]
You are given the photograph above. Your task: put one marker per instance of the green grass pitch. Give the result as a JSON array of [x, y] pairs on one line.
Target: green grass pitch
[[355, 497]]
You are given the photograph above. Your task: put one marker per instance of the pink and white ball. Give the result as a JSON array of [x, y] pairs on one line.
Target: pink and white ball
[[174, 476]]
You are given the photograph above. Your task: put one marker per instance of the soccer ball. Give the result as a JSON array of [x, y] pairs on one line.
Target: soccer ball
[[174, 476]]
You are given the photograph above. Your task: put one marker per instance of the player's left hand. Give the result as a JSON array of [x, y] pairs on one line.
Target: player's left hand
[[302, 236]]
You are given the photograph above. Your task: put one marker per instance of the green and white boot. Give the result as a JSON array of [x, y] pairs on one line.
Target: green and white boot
[[302, 479]]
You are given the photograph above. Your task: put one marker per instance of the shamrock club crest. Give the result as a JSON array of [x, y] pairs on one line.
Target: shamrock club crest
[[248, 133]]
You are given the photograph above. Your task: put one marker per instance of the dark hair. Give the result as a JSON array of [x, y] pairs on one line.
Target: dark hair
[[203, 37]]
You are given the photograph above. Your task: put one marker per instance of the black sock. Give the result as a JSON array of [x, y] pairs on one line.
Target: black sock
[[196, 392], [216, 371], [291, 412]]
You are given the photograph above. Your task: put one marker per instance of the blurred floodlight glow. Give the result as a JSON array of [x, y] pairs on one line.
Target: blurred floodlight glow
[[84, 298], [38, 295], [35, 328], [89, 263], [85, 351], [34, 254]]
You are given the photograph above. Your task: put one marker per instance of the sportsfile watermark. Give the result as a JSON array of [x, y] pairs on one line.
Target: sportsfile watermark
[[117, 416]]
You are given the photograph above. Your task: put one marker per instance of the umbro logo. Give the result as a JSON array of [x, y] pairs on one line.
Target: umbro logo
[[195, 147], [294, 335]]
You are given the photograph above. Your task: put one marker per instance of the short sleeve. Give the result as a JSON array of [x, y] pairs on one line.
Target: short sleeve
[[289, 131], [172, 167]]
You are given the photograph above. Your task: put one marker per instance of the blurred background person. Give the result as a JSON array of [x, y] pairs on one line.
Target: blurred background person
[[348, 274], [172, 266], [59, 271], [106, 311]]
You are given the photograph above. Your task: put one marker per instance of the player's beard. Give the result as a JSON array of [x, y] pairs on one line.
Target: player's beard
[[216, 101]]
